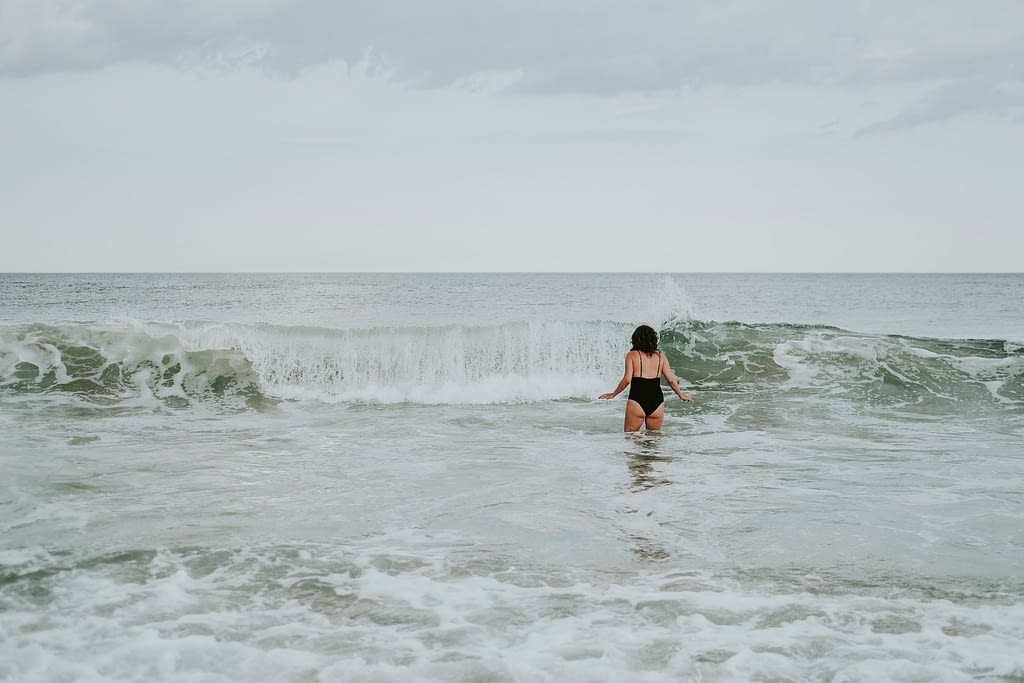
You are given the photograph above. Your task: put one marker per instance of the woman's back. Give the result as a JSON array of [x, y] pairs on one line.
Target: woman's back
[[646, 366]]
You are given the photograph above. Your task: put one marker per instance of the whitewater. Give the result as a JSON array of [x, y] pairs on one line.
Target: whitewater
[[408, 477]]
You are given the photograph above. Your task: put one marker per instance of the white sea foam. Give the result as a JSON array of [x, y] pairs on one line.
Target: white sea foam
[[500, 364], [670, 304], [840, 363], [822, 358], [149, 363], [381, 611]]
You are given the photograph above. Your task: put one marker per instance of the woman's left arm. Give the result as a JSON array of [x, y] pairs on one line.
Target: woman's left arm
[[627, 376]]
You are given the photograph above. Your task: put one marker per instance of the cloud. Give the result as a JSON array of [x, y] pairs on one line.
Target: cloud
[[595, 47], [38, 36], [342, 169], [955, 99]]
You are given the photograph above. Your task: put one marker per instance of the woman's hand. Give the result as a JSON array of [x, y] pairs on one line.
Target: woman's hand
[[607, 396], [686, 397]]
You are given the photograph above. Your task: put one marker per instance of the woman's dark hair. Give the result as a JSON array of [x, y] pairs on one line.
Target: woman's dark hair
[[645, 339]]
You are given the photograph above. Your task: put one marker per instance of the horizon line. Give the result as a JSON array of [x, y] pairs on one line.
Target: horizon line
[[509, 272]]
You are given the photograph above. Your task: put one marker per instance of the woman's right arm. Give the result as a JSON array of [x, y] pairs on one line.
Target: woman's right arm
[[670, 377]]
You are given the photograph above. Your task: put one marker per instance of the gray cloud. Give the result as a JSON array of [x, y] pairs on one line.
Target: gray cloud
[[585, 46], [954, 99]]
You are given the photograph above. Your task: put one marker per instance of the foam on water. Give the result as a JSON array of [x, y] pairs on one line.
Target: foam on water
[[178, 362], [408, 607], [236, 365], [671, 305]]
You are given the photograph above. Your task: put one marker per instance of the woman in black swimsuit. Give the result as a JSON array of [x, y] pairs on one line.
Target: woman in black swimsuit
[[646, 403]]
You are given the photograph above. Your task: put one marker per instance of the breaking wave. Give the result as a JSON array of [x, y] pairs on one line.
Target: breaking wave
[[249, 365]]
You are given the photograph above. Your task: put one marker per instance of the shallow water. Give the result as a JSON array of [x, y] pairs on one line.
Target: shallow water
[[408, 478]]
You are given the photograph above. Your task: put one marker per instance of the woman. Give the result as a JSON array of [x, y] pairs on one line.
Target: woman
[[646, 403]]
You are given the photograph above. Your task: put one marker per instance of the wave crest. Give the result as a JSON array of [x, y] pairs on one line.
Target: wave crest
[[245, 365], [105, 364], [825, 360], [181, 363]]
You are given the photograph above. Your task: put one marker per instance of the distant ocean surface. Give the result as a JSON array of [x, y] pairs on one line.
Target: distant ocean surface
[[405, 477]]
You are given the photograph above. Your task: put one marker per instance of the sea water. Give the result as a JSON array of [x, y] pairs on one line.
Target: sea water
[[399, 477]]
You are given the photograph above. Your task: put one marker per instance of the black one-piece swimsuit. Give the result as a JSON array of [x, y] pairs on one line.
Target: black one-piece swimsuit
[[647, 390]]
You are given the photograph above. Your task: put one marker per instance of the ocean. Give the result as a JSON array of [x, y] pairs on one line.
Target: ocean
[[409, 477]]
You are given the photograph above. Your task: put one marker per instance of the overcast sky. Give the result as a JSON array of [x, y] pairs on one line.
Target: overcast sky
[[461, 135]]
